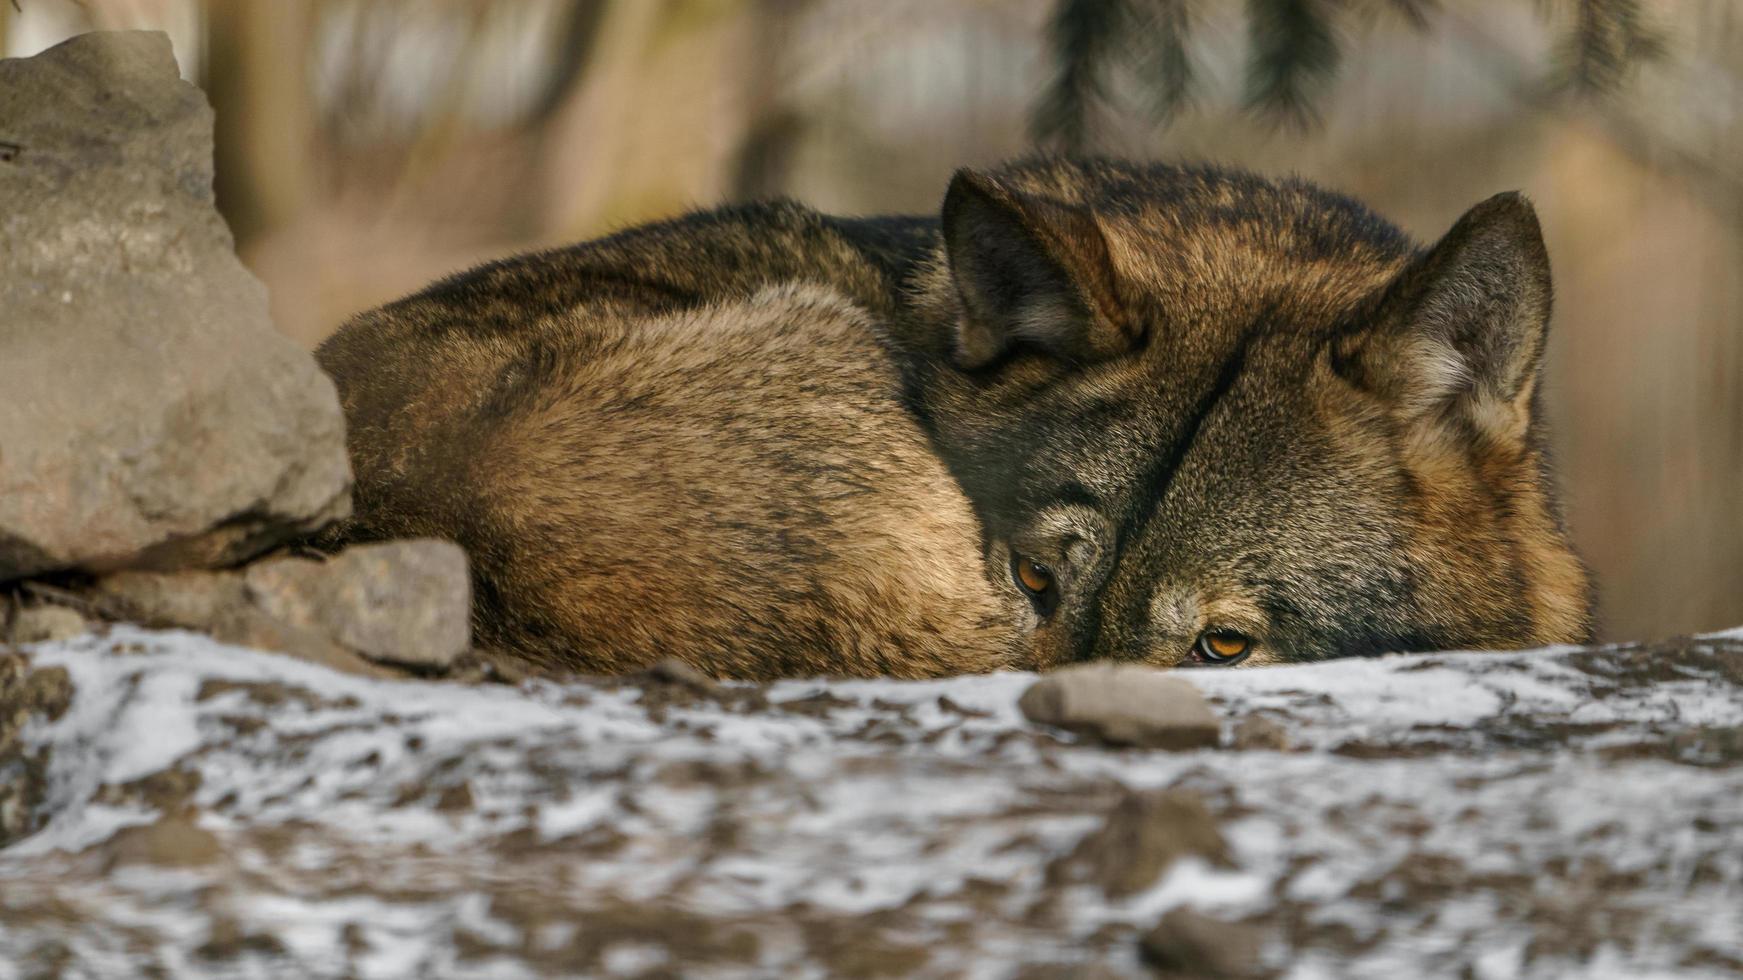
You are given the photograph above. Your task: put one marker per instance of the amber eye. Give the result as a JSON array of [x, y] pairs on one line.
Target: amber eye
[[1036, 582], [1223, 647], [1034, 577]]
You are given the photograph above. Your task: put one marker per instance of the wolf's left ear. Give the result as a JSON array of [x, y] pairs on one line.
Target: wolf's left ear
[[1029, 271], [1463, 328]]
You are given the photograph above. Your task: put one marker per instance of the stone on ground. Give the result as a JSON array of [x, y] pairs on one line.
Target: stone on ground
[[1188, 943], [1123, 704], [172, 841], [405, 603], [1143, 836], [34, 624], [153, 416]]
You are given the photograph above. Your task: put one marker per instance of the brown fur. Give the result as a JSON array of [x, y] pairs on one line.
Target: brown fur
[[756, 499], [773, 442], [771, 504]]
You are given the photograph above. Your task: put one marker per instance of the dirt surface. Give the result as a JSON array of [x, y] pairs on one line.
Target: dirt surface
[[201, 810]]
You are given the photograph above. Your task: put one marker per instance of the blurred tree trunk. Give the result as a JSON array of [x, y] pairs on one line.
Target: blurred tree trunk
[[581, 30], [763, 165], [257, 78], [588, 129], [655, 119], [580, 42]]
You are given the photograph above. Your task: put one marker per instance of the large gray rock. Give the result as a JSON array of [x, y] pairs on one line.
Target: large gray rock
[[1123, 704], [150, 415]]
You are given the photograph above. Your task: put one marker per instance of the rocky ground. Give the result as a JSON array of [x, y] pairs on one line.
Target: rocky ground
[[178, 807]]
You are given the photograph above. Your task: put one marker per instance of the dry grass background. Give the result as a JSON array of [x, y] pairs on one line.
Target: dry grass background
[[368, 146]]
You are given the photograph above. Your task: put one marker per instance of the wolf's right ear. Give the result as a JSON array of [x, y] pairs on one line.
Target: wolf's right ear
[[1463, 327], [1029, 272]]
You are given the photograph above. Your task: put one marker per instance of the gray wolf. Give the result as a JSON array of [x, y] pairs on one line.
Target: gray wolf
[[1092, 410]]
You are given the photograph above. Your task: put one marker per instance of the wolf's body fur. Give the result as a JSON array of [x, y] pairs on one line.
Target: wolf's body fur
[[771, 441]]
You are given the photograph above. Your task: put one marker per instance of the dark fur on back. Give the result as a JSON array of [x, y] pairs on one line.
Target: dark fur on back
[[1206, 402]]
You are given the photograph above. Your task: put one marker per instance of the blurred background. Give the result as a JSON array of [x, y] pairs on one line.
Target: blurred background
[[366, 147]]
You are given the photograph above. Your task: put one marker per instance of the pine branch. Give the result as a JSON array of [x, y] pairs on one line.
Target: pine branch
[[1082, 36], [1609, 38], [1157, 38], [1294, 54]]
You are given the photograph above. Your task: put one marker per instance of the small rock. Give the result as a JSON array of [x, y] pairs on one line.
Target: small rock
[[402, 602], [256, 629], [154, 418], [455, 799], [1261, 732], [167, 791], [674, 671], [37, 624], [172, 842], [191, 600], [1123, 704], [1187, 943], [1143, 836], [218, 603], [227, 940]]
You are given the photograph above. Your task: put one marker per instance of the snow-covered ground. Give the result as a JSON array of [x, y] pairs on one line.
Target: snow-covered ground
[[212, 811]]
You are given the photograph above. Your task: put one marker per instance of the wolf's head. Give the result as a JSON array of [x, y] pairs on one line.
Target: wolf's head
[[1208, 418]]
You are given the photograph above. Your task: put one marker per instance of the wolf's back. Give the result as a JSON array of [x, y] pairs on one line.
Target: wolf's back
[[733, 482]]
